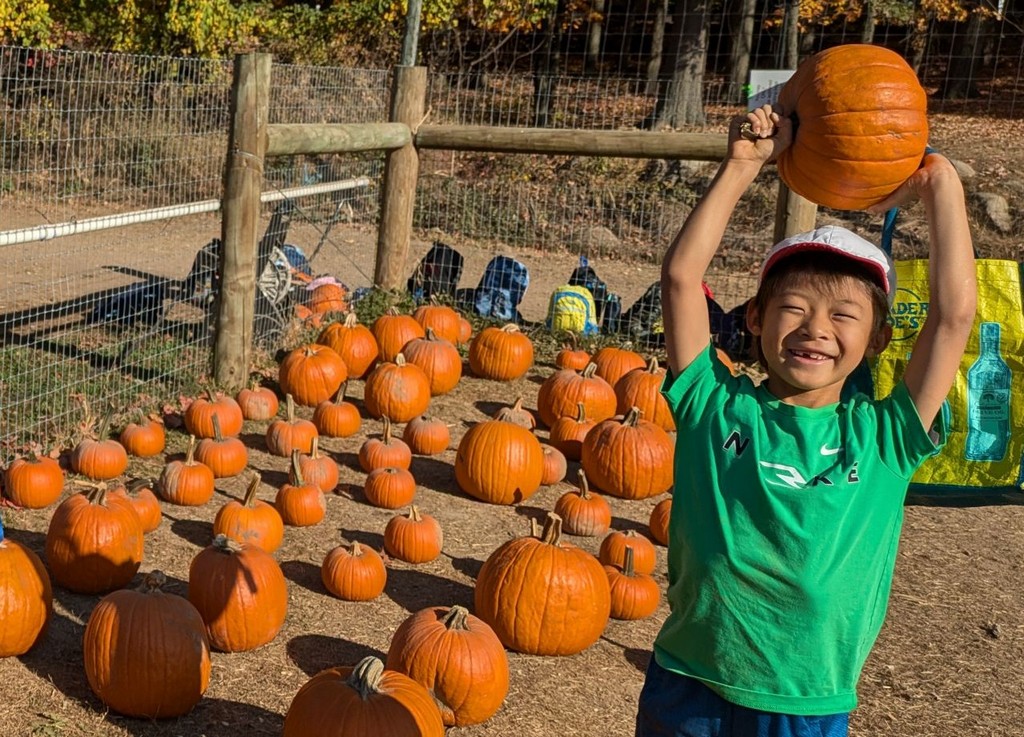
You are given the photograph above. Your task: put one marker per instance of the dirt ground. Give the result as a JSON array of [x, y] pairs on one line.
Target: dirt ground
[[948, 661]]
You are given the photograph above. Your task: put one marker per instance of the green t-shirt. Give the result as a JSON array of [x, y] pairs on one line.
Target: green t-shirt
[[783, 535]]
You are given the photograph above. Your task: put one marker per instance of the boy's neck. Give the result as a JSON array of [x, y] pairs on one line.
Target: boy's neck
[[810, 398]]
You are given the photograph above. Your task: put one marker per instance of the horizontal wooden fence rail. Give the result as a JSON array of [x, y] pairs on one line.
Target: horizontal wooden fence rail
[[625, 144], [312, 138]]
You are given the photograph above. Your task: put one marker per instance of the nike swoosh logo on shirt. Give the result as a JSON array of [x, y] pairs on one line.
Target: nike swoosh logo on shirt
[[826, 451]]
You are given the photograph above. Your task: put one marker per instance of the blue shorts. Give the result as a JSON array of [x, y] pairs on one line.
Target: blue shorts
[[672, 705]]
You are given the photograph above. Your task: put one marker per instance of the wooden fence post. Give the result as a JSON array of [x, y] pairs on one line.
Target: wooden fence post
[[243, 180], [793, 213], [402, 166]]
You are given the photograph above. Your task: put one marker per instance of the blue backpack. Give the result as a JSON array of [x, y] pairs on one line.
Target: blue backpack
[[501, 289]]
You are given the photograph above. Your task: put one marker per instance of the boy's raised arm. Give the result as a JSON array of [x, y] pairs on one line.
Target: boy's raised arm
[[951, 278], [684, 308]]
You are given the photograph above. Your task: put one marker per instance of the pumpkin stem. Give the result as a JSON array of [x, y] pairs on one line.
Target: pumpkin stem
[[153, 582], [589, 370], [290, 407], [627, 562], [351, 320], [224, 544], [584, 485], [365, 677], [339, 397], [455, 618], [101, 431], [632, 417], [190, 454], [215, 418], [387, 430], [97, 495], [297, 468], [414, 514], [581, 413], [137, 485], [250, 491], [314, 448], [430, 333], [552, 533], [511, 328], [400, 359]]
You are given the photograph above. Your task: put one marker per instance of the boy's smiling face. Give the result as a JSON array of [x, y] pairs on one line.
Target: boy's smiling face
[[812, 338]]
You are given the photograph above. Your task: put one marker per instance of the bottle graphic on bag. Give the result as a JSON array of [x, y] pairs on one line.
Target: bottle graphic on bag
[[988, 400]]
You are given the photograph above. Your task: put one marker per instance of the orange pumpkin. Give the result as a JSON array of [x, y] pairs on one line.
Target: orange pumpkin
[[555, 466], [635, 595], [439, 360], [427, 436], [34, 482], [199, 416], [140, 493], [465, 331], [658, 523], [613, 363], [223, 455], [311, 374], [615, 544], [459, 660], [398, 391], [354, 343], [414, 538], [145, 438], [582, 511], [99, 458], [186, 482], [328, 297], [354, 572], [441, 319], [290, 434], [571, 356], [251, 521], [390, 487], [642, 388], [385, 451], [317, 469], [542, 596], [863, 126], [337, 419], [630, 458], [361, 701], [501, 354], [257, 403], [240, 592], [300, 503], [499, 463], [26, 597], [94, 542], [567, 433], [146, 653], [393, 330], [561, 394]]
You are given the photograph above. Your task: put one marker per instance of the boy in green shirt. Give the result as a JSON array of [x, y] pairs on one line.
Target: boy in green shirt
[[788, 503]]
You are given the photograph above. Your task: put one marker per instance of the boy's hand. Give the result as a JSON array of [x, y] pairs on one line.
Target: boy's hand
[[935, 172], [767, 134]]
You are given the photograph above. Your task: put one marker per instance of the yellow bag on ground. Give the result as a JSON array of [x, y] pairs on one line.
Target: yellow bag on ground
[[986, 404]]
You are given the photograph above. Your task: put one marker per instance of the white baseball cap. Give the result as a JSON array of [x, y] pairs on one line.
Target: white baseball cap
[[839, 240]]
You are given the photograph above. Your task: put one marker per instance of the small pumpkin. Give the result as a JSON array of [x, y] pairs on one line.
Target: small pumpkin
[[199, 415], [146, 653], [613, 363], [555, 466], [26, 597], [501, 354], [240, 592], [384, 451], [517, 414], [567, 433], [571, 356], [635, 595], [389, 487], [582, 511], [354, 572], [317, 469], [354, 343], [361, 701], [459, 660], [398, 390], [438, 358], [251, 521], [299, 502], [34, 482], [257, 403], [659, 520], [442, 320], [328, 296], [414, 537], [630, 457], [542, 596], [224, 456], [94, 542], [311, 374], [615, 544], [465, 331], [427, 435], [337, 419], [186, 482], [642, 388], [139, 493], [499, 462], [144, 438], [290, 434], [561, 394], [99, 458], [393, 330]]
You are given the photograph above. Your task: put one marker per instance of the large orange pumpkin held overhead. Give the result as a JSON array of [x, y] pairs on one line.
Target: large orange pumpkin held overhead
[[861, 126]]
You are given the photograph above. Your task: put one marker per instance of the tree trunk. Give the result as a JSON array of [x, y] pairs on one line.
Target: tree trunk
[[657, 46], [867, 30], [546, 65], [681, 101], [742, 26], [595, 35], [965, 64], [791, 35]]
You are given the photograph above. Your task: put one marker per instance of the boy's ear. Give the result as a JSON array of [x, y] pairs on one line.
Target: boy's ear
[[879, 341], [753, 318]]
